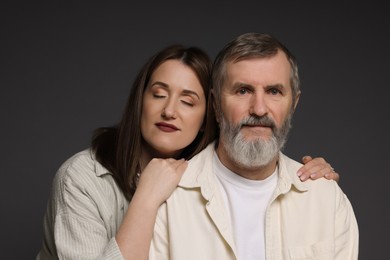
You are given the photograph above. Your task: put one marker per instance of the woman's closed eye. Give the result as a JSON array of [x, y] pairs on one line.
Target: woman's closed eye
[[187, 102], [155, 95], [188, 99]]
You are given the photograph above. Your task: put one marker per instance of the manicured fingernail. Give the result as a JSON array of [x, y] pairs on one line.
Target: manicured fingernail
[[313, 175]]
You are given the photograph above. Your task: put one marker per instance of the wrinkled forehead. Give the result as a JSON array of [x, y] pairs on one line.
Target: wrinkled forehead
[[259, 71]]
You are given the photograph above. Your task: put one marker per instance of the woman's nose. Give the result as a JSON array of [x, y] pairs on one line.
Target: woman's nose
[[169, 111]]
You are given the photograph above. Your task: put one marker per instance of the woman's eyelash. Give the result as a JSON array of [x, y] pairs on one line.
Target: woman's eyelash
[[187, 103], [158, 96]]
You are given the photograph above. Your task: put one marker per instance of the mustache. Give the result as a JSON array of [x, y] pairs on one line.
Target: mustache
[[258, 120]]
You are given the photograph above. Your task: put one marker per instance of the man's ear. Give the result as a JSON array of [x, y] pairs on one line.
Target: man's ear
[[297, 99], [213, 100]]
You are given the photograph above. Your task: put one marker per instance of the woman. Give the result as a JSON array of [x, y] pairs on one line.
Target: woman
[[101, 206]]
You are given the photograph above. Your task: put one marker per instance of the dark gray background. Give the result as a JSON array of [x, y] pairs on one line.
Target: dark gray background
[[66, 69]]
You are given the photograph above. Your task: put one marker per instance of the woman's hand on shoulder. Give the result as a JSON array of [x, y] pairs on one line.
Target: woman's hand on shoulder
[[159, 179], [315, 168]]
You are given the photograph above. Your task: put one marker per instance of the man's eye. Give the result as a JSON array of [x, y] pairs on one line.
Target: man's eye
[[274, 91], [242, 91]]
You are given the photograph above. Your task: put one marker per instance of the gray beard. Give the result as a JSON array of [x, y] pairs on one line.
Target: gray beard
[[253, 153]]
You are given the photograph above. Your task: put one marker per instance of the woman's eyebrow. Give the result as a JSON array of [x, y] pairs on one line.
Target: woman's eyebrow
[[159, 83]]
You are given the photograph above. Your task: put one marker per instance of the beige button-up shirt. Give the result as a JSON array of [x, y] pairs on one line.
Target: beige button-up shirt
[[310, 220], [84, 212]]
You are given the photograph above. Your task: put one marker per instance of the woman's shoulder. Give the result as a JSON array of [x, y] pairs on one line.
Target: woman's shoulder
[[80, 169], [82, 186], [82, 160]]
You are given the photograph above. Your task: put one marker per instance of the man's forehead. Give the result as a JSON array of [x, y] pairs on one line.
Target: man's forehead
[[259, 70]]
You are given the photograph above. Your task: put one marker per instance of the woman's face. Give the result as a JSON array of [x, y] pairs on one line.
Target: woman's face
[[173, 109]]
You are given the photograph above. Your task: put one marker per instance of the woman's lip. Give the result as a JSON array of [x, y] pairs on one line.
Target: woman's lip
[[166, 127]]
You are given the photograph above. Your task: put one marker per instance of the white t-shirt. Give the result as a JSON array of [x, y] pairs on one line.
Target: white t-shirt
[[247, 201]]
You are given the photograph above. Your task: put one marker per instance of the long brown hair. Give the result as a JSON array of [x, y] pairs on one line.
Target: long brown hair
[[118, 148]]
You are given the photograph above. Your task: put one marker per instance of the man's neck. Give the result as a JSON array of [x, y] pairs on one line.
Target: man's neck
[[251, 173]]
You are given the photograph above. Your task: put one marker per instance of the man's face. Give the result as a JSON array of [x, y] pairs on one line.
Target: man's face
[[256, 109]]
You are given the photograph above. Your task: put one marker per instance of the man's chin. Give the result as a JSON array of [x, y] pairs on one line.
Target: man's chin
[[256, 132], [253, 139]]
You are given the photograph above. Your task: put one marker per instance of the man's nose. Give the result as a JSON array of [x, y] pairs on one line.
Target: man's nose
[[258, 105]]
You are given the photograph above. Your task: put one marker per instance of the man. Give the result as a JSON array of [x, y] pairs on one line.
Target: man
[[240, 197]]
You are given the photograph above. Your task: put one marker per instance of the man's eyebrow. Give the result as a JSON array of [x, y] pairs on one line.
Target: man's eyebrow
[[246, 85], [279, 86], [241, 85]]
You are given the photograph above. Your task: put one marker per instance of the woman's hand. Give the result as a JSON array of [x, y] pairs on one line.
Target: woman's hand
[[316, 168], [157, 182], [159, 179]]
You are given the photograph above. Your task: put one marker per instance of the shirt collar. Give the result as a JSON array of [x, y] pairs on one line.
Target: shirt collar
[[199, 173], [100, 170], [287, 175]]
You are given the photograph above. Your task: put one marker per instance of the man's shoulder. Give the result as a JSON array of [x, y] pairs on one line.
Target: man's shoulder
[[204, 154], [289, 163], [289, 168], [202, 159], [199, 168]]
